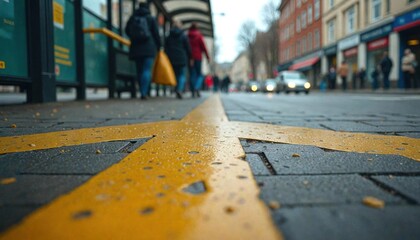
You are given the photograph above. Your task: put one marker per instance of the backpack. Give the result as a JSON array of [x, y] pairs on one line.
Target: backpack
[[139, 29]]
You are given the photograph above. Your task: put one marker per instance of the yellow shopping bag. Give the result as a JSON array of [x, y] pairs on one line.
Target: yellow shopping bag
[[163, 73]]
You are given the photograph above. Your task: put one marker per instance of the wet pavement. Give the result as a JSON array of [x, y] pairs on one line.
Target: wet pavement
[[311, 190]]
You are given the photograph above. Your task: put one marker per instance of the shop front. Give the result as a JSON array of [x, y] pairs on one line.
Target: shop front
[[350, 53], [377, 41], [408, 27], [331, 55], [310, 66]]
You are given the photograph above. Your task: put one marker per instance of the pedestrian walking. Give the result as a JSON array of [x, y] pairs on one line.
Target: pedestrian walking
[[375, 78], [208, 82], [362, 77], [178, 50], [198, 47], [225, 84], [216, 83], [343, 71], [409, 65], [386, 67], [143, 32], [354, 79], [332, 78]]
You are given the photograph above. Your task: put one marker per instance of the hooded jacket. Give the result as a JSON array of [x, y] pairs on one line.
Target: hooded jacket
[[151, 45], [177, 47], [197, 44]]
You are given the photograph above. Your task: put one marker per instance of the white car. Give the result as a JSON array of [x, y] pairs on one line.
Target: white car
[[293, 81]]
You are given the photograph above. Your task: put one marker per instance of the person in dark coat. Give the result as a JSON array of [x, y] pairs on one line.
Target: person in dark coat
[[332, 78], [386, 67], [375, 78], [178, 50], [198, 47], [143, 52], [225, 84], [362, 77], [216, 83]]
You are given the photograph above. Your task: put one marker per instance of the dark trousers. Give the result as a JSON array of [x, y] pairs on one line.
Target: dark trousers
[[386, 80], [344, 82], [408, 78]]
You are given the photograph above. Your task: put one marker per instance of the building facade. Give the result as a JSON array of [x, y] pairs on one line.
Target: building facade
[[360, 31], [357, 31], [300, 40]]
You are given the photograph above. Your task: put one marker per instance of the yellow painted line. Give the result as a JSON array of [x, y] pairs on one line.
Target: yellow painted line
[[340, 141], [80, 136], [142, 197]]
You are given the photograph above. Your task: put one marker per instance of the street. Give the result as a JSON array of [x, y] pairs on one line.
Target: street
[[325, 165]]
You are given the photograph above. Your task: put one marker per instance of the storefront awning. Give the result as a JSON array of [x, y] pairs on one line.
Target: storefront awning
[[304, 64]]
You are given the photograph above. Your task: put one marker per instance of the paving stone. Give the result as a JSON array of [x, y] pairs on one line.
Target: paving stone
[[249, 118], [282, 117], [349, 223], [6, 132], [10, 215], [356, 118], [75, 163], [31, 123], [390, 123], [300, 124], [13, 163], [361, 127], [38, 189], [320, 189], [314, 160], [407, 185], [135, 144], [257, 165], [105, 148], [410, 134]]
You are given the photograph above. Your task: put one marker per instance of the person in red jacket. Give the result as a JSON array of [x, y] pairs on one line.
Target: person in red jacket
[[198, 47]]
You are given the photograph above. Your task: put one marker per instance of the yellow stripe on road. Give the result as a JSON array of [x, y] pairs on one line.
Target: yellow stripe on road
[[188, 182], [148, 194], [340, 141], [80, 136]]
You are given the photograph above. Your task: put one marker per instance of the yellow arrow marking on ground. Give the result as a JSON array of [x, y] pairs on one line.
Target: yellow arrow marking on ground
[[144, 197]]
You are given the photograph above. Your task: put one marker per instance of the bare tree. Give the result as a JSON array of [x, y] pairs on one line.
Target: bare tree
[[246, 37], [270, 16]]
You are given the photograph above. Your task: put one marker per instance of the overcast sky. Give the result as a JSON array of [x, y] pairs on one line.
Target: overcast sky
[[227, 26]]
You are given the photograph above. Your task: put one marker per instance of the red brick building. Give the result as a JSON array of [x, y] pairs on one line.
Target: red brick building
[[300, 43]]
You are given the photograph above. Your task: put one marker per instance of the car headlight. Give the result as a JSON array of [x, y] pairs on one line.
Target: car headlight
[[307, 85], [270, 87], [254, 88], [291, 85]]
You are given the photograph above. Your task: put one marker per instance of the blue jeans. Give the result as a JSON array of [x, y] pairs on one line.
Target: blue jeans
[[144, 74], [196, 78], [180, 78]]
